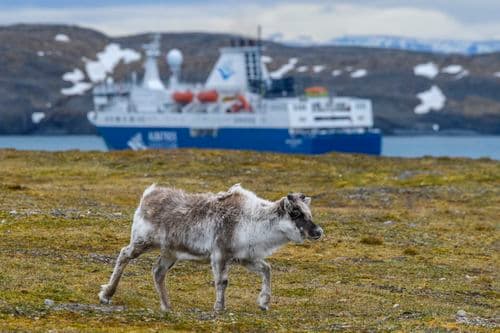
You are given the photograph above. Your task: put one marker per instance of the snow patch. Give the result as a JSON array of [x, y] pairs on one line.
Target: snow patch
[[290, 65], [97, 70], [40, 53], [429, 70], [302, 69], [62, 38], [75, 76], [78, 88], [359, 73], [318, 68], [37, 117], [452, 69], [266, 59], [462, 74], [432, 99], [337, 72], [497, 74]]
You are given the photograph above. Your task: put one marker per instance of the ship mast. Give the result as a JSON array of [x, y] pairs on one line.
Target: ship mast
[[259, 64]]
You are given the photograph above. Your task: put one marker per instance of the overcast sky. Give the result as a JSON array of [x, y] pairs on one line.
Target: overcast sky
[[321, 20]]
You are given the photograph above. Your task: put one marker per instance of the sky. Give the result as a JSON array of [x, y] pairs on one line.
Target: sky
[[319, 20]]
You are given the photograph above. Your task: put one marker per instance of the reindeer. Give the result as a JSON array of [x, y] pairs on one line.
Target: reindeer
[[228, 227]]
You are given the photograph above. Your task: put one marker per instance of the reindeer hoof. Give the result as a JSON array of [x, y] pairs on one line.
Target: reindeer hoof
[[165, 309], [218, 308], [263, 301], [103, 298]]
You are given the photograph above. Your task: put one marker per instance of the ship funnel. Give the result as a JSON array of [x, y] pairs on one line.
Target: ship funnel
[[174, 61]]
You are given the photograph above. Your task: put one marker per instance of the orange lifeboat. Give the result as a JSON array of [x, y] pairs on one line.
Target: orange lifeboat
[[241, 105], [183, 97], [208, 96], [316, 91]]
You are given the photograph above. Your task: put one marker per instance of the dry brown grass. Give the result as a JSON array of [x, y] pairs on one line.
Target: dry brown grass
[[64, 217]]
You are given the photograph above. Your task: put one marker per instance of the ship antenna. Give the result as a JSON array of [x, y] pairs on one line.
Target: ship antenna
[[259, 59]]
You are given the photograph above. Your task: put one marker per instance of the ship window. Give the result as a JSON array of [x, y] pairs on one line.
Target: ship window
[[360, 106], [342, 107]]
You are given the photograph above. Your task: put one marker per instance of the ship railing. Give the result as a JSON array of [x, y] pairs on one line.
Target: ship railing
[[106, 89], [325, 131]]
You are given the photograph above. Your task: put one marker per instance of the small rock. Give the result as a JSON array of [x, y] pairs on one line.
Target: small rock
[[117, 214], [49, 302], [461, 313], [395, 305], [442, 279], [13, 212], [388, 222], [57, 212]]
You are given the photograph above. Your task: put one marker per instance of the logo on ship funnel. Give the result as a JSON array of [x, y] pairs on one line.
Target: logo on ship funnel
[[226, 71]]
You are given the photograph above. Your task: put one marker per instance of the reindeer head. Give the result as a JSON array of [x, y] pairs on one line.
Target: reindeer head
[[297, 223]]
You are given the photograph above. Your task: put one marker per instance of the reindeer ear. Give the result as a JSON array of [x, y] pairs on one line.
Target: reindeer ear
[[290, 196], [287, 203], [307, 200]]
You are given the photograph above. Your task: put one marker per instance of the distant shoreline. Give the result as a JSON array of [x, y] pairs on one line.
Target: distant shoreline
[[407, 146]]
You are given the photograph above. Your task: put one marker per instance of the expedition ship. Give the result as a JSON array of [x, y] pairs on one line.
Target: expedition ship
[[240, 106]]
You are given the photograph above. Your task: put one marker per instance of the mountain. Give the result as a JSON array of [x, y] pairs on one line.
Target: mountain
[[419, 45], [47, 72]]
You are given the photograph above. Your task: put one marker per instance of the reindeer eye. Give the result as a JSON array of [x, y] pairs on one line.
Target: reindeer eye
[[295, 214]]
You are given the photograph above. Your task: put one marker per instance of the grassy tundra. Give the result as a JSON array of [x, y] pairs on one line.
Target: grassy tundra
[[409, 243]]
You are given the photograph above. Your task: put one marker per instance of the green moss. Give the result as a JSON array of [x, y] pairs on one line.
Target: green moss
[[64, 217]]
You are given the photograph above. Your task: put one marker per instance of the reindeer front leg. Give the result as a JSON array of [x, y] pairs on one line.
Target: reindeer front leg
[[264, 269], [220, 268]]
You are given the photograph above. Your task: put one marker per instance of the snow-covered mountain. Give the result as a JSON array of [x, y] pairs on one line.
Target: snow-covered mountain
[[420, 45]]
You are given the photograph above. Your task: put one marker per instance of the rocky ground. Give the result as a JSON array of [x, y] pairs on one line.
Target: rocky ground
[[410, 244], [32, 63]]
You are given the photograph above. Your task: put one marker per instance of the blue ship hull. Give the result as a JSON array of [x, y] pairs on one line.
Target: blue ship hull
[[273, 140]]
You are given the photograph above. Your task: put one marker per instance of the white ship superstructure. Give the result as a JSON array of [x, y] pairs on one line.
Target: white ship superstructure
[[239, 96]]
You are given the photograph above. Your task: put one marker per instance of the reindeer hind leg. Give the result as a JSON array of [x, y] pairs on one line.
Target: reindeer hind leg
[[127, 253]]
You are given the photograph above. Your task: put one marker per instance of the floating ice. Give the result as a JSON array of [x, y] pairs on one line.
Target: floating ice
[[497, 74], [318, 68], [61, 38], [40, 53], [77, 89], [359, 73], [430, 70], [452, 69], [37, 117], [432, 99], [290, 65], [107, 61], [462, 74], [75, 76]]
